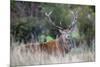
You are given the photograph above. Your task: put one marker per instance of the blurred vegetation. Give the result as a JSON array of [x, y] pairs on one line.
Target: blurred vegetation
[[29, 18]]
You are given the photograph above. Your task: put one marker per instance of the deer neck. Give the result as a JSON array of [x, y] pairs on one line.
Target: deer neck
[[60, 41]]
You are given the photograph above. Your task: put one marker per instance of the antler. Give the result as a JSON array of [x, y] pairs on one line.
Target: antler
[[74, 21], [48, 16]]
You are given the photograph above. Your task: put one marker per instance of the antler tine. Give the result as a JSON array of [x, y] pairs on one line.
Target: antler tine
[[48, 15], [75, 15]]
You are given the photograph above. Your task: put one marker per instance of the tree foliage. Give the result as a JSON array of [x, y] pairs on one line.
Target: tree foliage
[[29, 17]]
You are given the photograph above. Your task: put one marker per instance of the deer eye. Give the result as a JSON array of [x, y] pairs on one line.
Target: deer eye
[[67, 36]]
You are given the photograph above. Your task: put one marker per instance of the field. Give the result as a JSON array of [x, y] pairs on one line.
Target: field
[[64, 33], [80, 54]]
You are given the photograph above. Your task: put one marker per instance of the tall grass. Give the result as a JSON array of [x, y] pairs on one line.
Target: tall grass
[[21, 56]]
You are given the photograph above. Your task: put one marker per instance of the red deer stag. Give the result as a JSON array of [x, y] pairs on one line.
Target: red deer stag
[[59, 46]]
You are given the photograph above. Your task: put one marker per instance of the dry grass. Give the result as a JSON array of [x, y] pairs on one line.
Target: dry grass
[[19, 56]]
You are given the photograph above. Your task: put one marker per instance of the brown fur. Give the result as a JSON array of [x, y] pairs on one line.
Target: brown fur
[[52, 48]]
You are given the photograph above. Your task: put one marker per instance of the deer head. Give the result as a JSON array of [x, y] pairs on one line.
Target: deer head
[[65, 33]]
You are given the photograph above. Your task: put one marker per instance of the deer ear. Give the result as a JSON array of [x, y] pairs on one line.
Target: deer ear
[[60, 31]]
